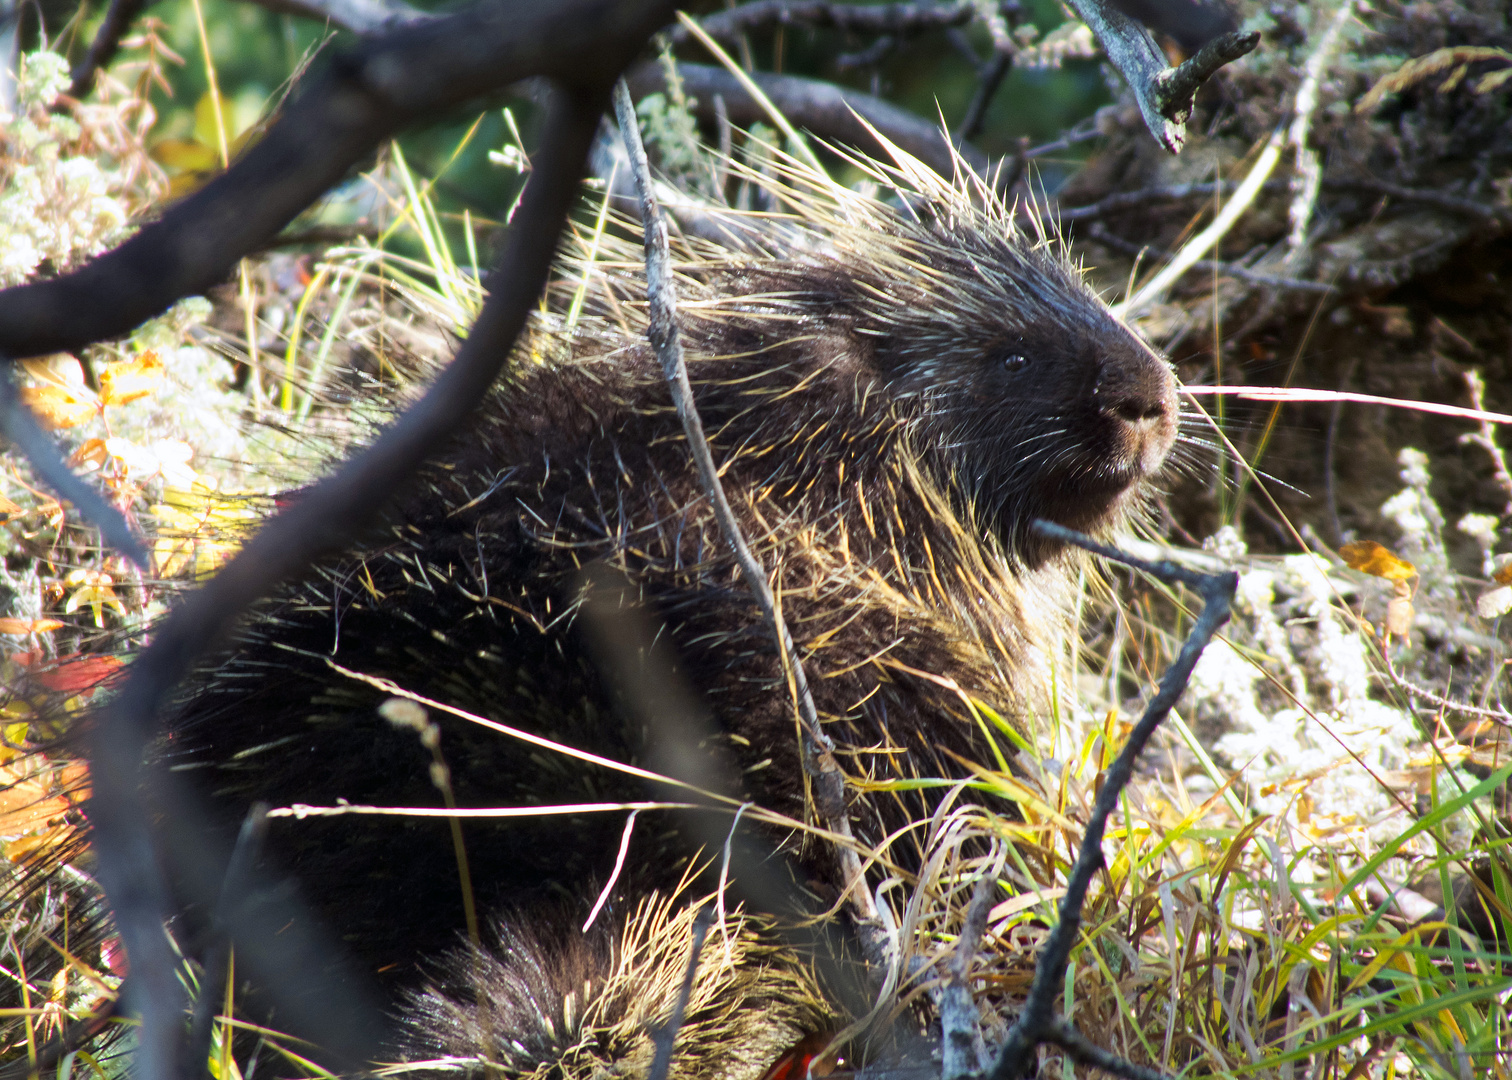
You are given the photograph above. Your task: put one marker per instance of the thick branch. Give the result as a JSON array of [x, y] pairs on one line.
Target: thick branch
[[896, 19], [827, 110], [1164, 94], [320, 522], [358, 16], [364, 97]]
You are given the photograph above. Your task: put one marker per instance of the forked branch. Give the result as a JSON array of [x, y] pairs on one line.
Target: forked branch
[[1038, 1022]]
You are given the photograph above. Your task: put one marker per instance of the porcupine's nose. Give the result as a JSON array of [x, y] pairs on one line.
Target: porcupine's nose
[[1139, 394]]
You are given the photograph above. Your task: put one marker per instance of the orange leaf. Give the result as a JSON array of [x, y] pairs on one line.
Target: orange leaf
[[8, 507], [28, 626], [74, 675], [90, 452], [1502, 575], [56, 407], [1373, 559], [131, 379]]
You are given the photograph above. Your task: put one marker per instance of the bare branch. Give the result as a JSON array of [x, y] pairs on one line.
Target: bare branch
[[818, 749], [825, 109], [359, 16], [1037, 1023], [19, 426], [894, 19], [1099, 234], [1164, 94], [340, 117], [664, 1037], [323, 520], [118, 19], [962, 1052]]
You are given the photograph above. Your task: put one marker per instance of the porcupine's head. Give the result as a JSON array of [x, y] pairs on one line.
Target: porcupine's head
[[1026, 393]]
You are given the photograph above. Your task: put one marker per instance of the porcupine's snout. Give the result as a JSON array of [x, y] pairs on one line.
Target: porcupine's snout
[[1137, 396]]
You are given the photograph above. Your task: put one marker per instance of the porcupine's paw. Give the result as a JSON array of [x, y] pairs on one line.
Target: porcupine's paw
[[546, 999]]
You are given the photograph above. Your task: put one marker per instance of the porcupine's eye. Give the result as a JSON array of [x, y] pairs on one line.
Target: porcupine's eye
[[1014, 363]]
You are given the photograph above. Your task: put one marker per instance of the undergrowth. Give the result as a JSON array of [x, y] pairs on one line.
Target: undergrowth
[[1273, 900]]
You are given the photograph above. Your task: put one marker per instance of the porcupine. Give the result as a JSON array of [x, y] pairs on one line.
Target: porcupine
[[892, 396]]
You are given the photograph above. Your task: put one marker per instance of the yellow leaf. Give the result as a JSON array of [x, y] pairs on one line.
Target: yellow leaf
[[185, 155], [1419, 68], [60, 369], [1371, 558], [57, 408], [131, 379]]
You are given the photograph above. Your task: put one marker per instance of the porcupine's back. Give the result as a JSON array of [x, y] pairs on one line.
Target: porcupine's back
[[891, 401]]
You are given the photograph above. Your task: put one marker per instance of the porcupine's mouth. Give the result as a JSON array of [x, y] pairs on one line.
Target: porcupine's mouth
[[1126, 445]]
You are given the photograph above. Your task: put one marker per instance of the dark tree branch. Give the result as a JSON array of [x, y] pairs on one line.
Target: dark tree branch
[[368, 94], [234, 889], [19, 426], [365, 96], [358, 16], [118, 19], [1038, 1023], [1191, 23], [988, 82], [1164, 94], [818, 750], [665, 1036], [1175, 88], [823, 108], [895, 19]]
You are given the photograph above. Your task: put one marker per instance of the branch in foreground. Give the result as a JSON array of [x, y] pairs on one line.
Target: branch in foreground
[[19, 426], [118, 19], [322, 521], [894, 19], [825, 109], [1037, 1023], [818, 750], [1164, 94], [340, 117]]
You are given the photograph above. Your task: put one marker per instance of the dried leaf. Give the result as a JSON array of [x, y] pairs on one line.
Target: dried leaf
[[59, 369], [1419, 68], [56, 407], [129, 380], [1501, 572], [79, 674], [1495, 603], [8, 507], [1399, 616], [1373, 559]]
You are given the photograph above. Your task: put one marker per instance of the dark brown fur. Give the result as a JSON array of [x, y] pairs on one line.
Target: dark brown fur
[[891, 401]]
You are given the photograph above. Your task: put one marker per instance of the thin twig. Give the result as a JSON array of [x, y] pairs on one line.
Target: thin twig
[[818, 750], [664, 1037], [1037, 1023], [1101, 235], [19, 426], [962, 1052], [829, 111], [212, 984], [1485, 438], [118, 19], [1438, 701]]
